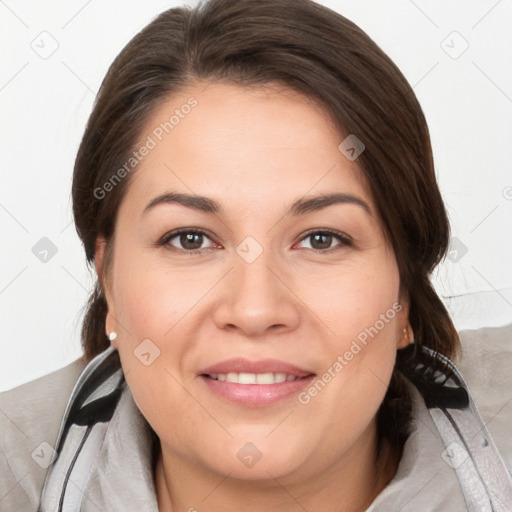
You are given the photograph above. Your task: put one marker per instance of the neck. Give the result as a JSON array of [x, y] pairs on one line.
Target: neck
[[350, 484]]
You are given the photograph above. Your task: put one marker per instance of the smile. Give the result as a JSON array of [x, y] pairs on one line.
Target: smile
[[255, 390], [253, 378]]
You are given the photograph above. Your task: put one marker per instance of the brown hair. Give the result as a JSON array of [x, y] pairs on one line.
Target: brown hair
[[318, 53]]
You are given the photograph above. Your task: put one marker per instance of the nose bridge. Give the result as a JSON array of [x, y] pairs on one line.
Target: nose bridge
[[254, 278], [256, 298], [256, 286]]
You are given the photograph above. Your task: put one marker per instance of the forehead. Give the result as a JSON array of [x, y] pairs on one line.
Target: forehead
[[249, 143]]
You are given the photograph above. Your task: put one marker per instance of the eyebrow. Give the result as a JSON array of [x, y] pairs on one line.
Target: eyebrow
[[299, 207]]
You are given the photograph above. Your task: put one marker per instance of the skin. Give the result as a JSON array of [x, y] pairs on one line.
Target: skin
[[302, 300]]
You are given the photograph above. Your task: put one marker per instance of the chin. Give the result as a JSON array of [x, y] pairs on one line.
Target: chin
[[253, 459]]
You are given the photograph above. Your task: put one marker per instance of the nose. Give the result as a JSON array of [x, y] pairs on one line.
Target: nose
[[256, 298]]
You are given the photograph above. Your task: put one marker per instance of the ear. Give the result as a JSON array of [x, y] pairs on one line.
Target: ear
[[405, 334], [99, 256]]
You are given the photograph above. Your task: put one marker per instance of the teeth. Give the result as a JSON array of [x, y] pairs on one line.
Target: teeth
[[253, 378]]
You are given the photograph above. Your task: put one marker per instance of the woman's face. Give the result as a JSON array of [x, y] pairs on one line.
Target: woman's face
[[262, 280]]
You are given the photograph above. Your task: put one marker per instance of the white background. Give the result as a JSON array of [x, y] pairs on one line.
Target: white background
[[45, 103]]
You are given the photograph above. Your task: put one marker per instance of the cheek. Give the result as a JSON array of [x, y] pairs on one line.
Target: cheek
[[358, 298], [150, 298], [361, 309], [151, 307]]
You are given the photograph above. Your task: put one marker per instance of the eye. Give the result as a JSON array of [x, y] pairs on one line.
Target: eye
[[187, 240], [190, 241], [322, 240]]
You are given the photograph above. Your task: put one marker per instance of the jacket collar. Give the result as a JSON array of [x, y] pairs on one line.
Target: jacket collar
[[106, 448], [122, 478]]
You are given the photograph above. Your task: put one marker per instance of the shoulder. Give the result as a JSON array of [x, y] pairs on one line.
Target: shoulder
[[485, 363], [36, 391], [30, 417]]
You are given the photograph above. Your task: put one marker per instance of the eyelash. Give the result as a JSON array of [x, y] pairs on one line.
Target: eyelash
[[164, 241]]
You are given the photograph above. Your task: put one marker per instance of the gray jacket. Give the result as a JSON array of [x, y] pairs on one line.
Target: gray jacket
[[455, 459]]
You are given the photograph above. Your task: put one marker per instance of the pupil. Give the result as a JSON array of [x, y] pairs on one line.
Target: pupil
[[185, 239], [326, 238]]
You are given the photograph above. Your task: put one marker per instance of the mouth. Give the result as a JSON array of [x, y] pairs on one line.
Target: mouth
[[246, 368], [255, 390], [254, 378]]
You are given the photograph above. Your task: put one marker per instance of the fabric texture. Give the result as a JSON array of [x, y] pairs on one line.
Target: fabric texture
[[105, 445]]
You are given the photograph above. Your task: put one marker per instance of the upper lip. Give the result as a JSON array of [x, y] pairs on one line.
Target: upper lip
[[241, 365]]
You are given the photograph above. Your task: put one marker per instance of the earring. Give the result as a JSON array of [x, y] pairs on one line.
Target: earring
[[112, 336]]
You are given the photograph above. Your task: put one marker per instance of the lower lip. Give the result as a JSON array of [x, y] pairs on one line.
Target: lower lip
[[256, 395]]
